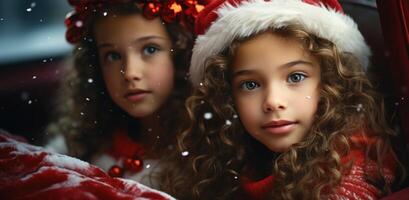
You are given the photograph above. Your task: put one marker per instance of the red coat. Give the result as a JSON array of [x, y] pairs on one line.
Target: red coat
[[30, 172]]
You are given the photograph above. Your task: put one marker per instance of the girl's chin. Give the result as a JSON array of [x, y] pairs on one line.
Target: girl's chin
[[140, 114]]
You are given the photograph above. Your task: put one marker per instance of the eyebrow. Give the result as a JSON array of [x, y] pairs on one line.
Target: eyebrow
[[139, 40], [286, 65]]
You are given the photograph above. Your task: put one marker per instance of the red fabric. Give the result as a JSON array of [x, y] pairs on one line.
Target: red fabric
[[124, 146], [353, 185], [257, 190], [401, 195], [208, 15], [29, 172]]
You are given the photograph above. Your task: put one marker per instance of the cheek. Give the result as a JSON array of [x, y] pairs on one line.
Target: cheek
[[162, 77], [307, 104], [111, 80], [246, 109]]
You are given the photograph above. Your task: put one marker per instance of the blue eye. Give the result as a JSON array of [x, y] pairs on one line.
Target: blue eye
[[296, 77], [112, 56], [149, 50], [249, 85]]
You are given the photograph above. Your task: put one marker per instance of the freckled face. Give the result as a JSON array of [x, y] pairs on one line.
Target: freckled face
[[276, 90], [136, 62]]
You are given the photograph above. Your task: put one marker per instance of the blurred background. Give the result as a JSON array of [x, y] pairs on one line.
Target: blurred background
[[32, 51]]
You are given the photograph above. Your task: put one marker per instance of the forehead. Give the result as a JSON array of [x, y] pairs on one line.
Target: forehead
[[270, 48], [122, 28]]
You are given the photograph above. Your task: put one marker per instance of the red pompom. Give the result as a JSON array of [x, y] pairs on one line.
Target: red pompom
[[134, 164], [152, 9], [116, 171]]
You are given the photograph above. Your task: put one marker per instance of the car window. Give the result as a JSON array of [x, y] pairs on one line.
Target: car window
[[32, 30]]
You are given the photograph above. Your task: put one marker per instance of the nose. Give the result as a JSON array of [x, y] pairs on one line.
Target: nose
[[274, 99], [132, 68]]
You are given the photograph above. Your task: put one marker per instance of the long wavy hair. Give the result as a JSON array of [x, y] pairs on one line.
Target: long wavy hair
[[85, 113], [216, 149]]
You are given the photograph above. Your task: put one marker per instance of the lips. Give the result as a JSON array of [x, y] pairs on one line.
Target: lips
[[279, 127], [136, 95]]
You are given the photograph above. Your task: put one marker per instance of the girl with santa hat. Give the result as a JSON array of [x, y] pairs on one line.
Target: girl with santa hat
[[282, 107]]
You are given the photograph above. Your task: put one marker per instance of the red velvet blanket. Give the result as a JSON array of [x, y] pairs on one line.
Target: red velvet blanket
[[30, 172]]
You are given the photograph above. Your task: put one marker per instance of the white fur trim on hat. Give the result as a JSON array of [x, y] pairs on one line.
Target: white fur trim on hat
[[256, 16]]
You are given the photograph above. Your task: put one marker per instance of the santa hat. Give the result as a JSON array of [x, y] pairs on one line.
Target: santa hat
[[223, 21]]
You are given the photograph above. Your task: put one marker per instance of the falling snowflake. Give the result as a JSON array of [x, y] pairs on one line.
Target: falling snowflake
[[44, 60], [90, 80], [1, 19], [208, 115], [359, 108], [228, 122], [235, 177], [201, 84], [81, 113], [105, 13], [149, 129], [185, 153], [34, 77], [87, 99], [28, 9], [148, 166], [30, 102], [235, 116], [308, 97], [79, 23], [33, 4]]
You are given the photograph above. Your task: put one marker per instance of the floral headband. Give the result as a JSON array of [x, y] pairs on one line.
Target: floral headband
[[184, 11]]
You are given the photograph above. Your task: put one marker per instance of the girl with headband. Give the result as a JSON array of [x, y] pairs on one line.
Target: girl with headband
[[119, 103]]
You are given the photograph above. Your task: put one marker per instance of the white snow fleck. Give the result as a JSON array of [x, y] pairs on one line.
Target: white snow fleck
[[79, 23], [185, 153], [208, 115]]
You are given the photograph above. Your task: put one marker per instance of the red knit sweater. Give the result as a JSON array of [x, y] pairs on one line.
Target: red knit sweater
[[353, 184]]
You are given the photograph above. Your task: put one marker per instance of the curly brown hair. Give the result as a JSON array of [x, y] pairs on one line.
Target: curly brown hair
[[87, 116], [219, 152]]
